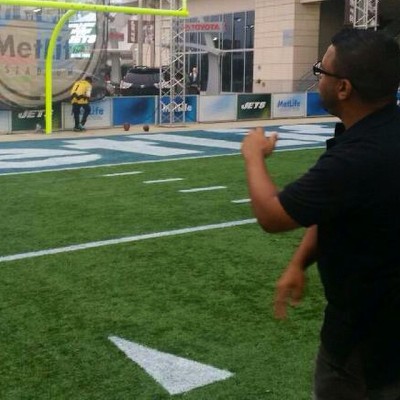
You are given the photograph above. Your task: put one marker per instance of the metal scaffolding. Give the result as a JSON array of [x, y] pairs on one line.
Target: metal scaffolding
[[365, 14], [172, 105]]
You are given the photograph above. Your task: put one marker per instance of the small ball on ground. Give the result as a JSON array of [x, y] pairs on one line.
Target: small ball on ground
[[146, 128], [127, 126]]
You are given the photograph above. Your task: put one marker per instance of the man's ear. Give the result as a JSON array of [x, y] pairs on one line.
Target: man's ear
[[345, 89]]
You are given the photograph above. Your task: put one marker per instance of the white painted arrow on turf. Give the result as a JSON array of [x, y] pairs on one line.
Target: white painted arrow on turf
[[175, 374]]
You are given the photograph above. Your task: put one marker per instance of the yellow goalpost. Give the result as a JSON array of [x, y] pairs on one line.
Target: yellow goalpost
[[72, 8]]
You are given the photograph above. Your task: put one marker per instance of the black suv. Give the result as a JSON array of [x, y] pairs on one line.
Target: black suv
[[142, 81]]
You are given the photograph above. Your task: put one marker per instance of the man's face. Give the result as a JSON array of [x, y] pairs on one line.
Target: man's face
[[328, 85]]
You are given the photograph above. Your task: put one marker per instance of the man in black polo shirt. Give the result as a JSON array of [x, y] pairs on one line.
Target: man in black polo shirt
[[349, 202]]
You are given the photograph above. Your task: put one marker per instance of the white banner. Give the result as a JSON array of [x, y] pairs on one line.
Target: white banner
[[217, 108], [5, 121], [100, 115], [288, 105]]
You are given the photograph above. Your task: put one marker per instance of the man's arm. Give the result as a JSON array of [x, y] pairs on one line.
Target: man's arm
[[89, 91], [263, 192], [273, 218], [290, 286]]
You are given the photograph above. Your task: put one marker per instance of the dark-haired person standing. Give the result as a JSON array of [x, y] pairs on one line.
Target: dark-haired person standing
[[349, 201], [80, 99], [194, 80]]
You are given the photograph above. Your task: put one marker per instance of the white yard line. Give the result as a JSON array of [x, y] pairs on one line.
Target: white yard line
[[124, 173], [241, 201], [203, 189], [164, 180], [136, 238]]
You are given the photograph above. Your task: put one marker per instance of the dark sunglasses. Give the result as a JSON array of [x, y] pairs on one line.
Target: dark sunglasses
[[318, 71]]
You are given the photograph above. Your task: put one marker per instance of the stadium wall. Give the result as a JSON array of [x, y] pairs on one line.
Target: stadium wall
[[115, 112]]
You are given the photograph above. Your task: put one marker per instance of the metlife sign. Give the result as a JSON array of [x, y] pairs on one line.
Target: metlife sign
[[189, 107], [100, 115], [218, 108], [289, 105], [24, 42]]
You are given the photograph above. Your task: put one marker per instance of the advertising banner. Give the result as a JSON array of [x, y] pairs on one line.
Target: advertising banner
[[217, 108], [189, 107], [207, 27], [24, 40], [34, 119], [254, 106], [314, 106], [288, 105], [134, 110], [5, 121], [100, 115]]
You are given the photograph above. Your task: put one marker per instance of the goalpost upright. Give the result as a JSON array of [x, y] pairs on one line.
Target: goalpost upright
[[71, 10]]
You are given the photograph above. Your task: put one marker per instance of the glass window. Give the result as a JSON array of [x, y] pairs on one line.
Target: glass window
[[216, 36], [226, 72], [249, 30], [202, 38], [217, 40], [227, 35], [215, 18], [248, 71], [237, 71], [203, 71], [236, 66], [238, 31]]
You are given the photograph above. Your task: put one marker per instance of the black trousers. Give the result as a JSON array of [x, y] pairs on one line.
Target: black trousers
[[76, 111], [334, 381]]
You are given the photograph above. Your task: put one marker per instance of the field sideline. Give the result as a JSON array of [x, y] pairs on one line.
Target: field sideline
[[163, 254]]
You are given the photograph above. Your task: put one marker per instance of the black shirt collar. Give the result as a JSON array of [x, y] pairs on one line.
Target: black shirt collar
[[374, 119]]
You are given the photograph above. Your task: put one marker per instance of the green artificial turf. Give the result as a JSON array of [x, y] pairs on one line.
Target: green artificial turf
[[205, 296]]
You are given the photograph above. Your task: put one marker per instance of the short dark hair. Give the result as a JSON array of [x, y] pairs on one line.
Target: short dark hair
[[370, 60], [89, 79]]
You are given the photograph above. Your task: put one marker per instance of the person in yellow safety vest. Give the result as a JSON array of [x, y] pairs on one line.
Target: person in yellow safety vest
[[80, 99]]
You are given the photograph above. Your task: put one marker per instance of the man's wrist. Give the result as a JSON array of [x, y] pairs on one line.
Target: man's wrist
[[255, 157]]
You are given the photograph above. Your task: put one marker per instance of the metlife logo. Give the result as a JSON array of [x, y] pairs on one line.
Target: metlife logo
[[100, 115], [179, 110], [24, 43], [97, 111], [176, 107], [288, 105]]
